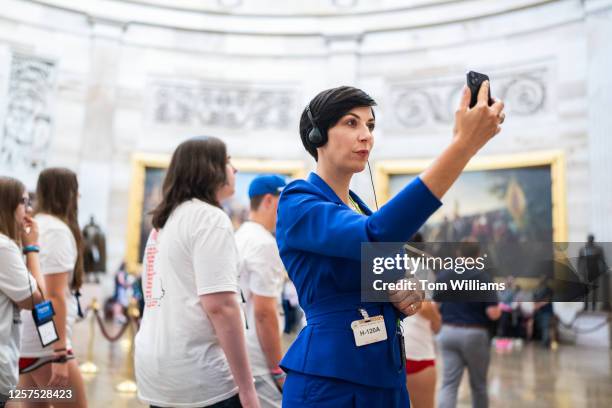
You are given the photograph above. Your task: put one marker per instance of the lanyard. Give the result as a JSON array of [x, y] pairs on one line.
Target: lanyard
[[31, 292], [355, 206], [42, 314]]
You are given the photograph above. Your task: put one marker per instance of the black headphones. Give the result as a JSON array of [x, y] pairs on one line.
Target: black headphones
[[315, 137]]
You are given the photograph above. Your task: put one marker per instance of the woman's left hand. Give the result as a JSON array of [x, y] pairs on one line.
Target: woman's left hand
[[59, 375], [29, 233], [407, 301]]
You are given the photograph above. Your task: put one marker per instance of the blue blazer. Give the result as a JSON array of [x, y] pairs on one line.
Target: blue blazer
[[319, 239]]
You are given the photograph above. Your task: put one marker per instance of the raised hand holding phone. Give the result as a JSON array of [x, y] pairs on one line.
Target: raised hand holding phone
[[475, 126]]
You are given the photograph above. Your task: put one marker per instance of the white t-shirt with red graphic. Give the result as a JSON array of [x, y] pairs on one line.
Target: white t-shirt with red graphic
[[179, 361]]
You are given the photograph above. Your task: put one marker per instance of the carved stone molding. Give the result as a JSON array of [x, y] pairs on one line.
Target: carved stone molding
[[344, 3], [221, 105], [27, 127], [229, 3], [433, 102]]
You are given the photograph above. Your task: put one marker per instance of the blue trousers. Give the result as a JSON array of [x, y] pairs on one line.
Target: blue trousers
[[542, 320], [311, 391]]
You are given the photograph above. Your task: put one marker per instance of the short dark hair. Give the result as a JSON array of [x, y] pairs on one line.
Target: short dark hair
[[256, 200], [197, 170], [327, 108]]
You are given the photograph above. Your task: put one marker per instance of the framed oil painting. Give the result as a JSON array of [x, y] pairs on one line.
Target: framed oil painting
[[498, 198]]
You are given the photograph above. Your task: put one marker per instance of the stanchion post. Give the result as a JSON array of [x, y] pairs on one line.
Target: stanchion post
[[89, 367], [129, 385]]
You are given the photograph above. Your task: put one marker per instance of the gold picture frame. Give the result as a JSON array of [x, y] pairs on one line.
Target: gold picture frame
[[143, 162], [555, 159]]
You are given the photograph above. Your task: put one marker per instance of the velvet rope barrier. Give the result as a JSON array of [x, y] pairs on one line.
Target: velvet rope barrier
[[107, 336]]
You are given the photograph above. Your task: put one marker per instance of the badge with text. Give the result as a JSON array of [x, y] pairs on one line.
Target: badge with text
[[43, 319], [369, 330]]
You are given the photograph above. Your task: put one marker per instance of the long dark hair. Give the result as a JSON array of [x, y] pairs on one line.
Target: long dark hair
[[11, 191], [57, 194], [197, 170]]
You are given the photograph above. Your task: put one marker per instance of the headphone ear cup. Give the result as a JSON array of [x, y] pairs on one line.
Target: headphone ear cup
[[315, 137]]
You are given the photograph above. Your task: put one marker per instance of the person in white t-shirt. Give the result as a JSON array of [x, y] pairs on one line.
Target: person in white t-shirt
[[261, 278], [419, 331], [18, 288], [61, 263], [190, 348]]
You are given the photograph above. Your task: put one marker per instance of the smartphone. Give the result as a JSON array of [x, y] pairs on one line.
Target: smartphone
[[474, 81]]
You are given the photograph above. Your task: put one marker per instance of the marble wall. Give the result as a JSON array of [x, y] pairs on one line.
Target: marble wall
[[87, 84]]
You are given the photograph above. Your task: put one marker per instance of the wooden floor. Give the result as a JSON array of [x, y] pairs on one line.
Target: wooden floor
[[532, 377]]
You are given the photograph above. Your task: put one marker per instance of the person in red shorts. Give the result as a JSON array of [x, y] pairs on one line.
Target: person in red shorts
[[419, 331]]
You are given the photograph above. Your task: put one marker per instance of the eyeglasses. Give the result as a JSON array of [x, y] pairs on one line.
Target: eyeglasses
[[25, 201]]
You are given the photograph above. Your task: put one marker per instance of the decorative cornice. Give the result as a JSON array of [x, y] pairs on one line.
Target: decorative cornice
[[422, 15], [428, 101], [208, 104]]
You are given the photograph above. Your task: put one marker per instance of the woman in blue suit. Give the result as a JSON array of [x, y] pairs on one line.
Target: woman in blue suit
[[321, 225]]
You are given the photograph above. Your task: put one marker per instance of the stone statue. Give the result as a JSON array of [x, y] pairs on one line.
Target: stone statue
[[94, 256], [594, 271]]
